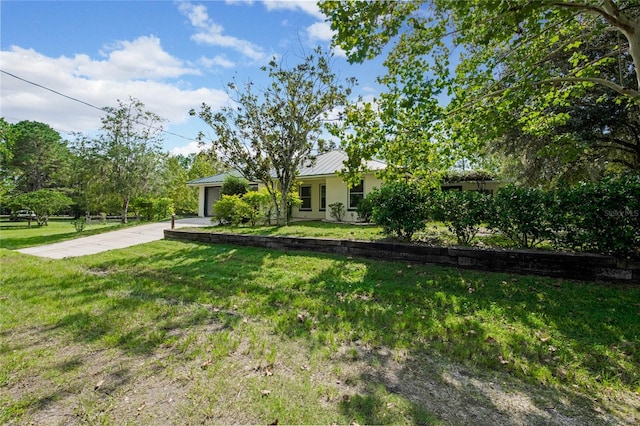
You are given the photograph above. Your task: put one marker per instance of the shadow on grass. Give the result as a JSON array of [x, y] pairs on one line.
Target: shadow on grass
[[525, 328]]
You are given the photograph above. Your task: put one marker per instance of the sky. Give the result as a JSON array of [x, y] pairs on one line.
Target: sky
[[64, 60]]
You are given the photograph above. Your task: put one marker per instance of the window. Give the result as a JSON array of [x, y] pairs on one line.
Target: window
[[323, 197], [305, 196], [355, 195]]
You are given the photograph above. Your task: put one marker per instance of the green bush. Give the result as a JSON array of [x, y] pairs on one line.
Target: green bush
[[462, 212], [234, 185], [80, 223], [365, 209], [259, 205], [231, 209], [524, 215], [400, 208], [600, 217], [162, 208]]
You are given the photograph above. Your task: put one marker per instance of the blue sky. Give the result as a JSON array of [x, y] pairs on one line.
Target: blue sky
[[172, 55]]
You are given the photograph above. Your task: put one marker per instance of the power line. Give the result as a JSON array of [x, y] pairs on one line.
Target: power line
[[86, 103]]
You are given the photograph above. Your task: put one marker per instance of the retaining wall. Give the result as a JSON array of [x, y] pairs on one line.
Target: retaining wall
[[580, 266]]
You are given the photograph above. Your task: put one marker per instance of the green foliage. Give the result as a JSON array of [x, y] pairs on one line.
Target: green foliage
[[234, 185], [43, 202], [504, 65], [462, 211], [80, 223], [259, 202], [126, 156], [601, 217], [231, 209], [153, 208], [337, 211], [162, 208], [524, 215], [365, 210], [400, 208], [34, 156], [268, 136]]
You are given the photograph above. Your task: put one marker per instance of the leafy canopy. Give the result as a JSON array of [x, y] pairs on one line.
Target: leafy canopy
[[268, 135], [456, 69]]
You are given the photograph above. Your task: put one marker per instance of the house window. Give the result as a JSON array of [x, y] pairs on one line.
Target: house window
[[355, 195], [305, 196], [323, 197]]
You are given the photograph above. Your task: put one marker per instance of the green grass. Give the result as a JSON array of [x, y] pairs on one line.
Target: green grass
[[16, 235], [173, 332]]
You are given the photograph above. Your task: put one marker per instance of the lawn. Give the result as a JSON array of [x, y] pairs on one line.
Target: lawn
[[184, 333], [16, 235]]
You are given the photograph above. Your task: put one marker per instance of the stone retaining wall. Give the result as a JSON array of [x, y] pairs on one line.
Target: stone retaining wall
[[580, 266]]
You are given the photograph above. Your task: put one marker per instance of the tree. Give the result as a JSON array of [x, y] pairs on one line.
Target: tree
[[43, 202], [7, 184], [127, 153], [35, 156], [267, 136], [491, 58]]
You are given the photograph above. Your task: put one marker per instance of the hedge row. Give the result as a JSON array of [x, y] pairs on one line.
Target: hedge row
[[599, 217]]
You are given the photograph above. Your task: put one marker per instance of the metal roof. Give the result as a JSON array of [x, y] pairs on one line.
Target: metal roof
[[325, 165], [332, 162]]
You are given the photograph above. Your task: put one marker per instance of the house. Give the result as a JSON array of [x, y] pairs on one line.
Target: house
[[319, 187]]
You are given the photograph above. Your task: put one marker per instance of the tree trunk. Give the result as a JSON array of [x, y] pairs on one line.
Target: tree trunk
[[283, 216], [125, 210]]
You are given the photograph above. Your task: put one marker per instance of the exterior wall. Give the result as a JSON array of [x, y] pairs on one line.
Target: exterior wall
[[315, 212], [201, 201], [338, 191]]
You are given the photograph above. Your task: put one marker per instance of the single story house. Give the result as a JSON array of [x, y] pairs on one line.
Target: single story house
[[319, 187]]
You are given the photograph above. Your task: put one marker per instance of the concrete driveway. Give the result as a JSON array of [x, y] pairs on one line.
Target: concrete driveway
[[111, 240]]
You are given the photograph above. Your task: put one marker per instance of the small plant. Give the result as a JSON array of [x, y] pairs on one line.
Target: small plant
[[80, 223], [337, 211], [103, 218]]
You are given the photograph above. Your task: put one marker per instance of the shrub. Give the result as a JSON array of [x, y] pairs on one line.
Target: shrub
[[462, 211], [259, 203], [365, 209], [602, 217], [162, 208], [234, 185], [523, 215], [231, 209], [401, 208], [80, 224], [337, 211]]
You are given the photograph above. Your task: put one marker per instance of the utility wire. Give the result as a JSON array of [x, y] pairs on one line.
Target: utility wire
[[85, 103]]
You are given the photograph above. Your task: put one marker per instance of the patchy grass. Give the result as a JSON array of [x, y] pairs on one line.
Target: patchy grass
[[173, 332], [16, 235]]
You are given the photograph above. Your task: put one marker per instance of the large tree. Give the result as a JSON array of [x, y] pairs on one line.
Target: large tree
[[267, 135], [127, 153], [34, 156], [489, 58]]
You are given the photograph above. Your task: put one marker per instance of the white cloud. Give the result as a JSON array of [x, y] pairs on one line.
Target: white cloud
[[190, 148], [217, 61], [91, 81], [211, 33], [307, 6], [320, 31]]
